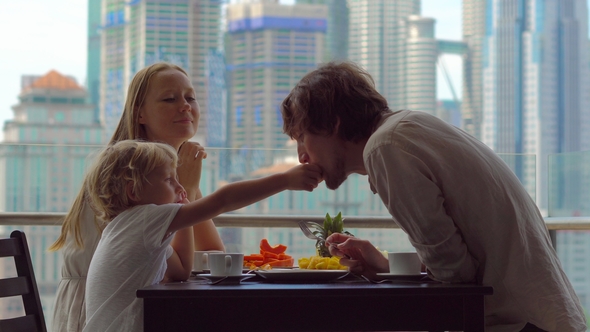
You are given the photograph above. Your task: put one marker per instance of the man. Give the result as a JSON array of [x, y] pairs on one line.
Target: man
[[463, 209]]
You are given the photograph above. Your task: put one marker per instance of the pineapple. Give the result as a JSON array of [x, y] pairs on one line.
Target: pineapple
[[329, 227]]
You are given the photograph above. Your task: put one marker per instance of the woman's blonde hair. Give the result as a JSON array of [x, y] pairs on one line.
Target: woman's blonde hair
[[123, 163], [128, 128]]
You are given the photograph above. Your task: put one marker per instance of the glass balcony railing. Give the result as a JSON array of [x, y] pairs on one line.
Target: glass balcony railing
[[569, 184], [40, 181]]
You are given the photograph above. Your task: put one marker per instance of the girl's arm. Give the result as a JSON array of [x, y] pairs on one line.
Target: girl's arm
[[240, 194], [190, 163], [180, 264]]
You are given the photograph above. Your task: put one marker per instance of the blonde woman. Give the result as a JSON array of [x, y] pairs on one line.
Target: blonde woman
[[161, 107]]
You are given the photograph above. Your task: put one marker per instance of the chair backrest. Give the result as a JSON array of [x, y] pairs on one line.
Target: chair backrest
[[24, 285]]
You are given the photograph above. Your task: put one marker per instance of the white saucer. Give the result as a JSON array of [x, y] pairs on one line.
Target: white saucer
[[201, 272], [207, 271], [227, 279]]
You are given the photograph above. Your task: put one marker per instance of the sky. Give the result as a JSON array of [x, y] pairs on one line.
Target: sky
[[37, 36]]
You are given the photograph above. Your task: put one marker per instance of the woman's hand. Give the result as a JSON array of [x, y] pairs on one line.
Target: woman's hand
[[364, 258], [190, 163]]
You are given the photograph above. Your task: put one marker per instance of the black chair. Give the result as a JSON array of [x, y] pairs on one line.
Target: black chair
[[24, 285]]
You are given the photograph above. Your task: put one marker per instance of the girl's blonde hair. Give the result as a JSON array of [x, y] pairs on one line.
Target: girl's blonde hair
[[123, 163], [128, 128]]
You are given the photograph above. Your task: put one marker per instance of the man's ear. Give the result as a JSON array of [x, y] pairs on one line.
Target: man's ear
[[130, 192]]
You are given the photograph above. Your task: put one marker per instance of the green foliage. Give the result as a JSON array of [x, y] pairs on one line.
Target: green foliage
[[329, 227]]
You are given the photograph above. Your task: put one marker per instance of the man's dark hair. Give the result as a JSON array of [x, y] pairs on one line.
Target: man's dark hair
[[334, 91]]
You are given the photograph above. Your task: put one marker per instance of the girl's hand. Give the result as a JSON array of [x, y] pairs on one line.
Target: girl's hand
[[304, 177], [364, 258], [190, 163]]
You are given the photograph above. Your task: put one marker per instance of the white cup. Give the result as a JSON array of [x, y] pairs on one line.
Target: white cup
[[226, 264], [201, 260], [406, 263]]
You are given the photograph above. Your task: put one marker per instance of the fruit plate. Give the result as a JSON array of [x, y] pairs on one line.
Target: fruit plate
[[301, 275]]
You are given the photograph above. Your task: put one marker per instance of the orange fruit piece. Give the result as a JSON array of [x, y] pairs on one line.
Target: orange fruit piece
[[277, 249]]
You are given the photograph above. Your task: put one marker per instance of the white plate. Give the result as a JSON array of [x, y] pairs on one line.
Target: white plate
[[207, 271], [227, 279], [393, 276], [278, 274]]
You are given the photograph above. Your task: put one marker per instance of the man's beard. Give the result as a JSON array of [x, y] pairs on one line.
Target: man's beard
[[336, 176]]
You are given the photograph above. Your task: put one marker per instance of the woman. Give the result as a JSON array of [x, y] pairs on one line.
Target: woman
[[161, 106]]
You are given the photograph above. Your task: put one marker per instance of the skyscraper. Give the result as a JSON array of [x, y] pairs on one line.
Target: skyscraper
[[535, 73], [93, 56], [269, 48], [528, 71], [336, 40], [42, 163], [397, 47], [473, 35], [139, 33]]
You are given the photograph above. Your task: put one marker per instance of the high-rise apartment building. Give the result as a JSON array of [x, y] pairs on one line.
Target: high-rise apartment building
[[535, 87], [526, 79], [42, 163], [397, 47], [269, 48], [137, 33], [93, 56], [473, 35], [336, 47]]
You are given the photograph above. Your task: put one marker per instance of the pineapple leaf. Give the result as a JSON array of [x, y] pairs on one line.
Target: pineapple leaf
[[316, 226], [327, 224], [338, 224]]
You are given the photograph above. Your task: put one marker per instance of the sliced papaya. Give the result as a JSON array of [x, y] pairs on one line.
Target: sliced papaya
[[270, 255], [284, 256], [277, 249], [254, 257]]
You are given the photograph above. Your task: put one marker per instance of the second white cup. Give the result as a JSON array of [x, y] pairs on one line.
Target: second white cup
[[226, 264], [404, 263], [201, 260]]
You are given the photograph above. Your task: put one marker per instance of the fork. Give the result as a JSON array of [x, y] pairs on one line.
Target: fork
[[309, 234], [306, 231]]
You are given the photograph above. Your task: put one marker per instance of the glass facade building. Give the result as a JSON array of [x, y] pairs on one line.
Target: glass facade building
[[42, 162], [138, 33]]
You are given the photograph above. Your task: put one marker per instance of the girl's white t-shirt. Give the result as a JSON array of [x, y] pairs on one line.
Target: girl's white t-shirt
[[131, 254]]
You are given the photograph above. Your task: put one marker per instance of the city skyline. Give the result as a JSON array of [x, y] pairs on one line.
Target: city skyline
[[39, 177], [61, 43]]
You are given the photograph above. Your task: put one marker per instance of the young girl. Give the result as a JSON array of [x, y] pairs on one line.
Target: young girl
[[160, 107], [134, 185]]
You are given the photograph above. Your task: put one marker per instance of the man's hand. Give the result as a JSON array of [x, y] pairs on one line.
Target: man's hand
[[363, 258]]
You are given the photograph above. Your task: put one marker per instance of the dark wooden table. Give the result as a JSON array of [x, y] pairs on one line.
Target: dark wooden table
[[346, 305]]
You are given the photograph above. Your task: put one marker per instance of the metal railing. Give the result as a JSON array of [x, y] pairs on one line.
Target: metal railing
[[244, 220], [554, 224]]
